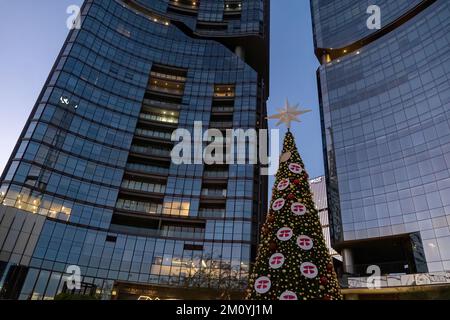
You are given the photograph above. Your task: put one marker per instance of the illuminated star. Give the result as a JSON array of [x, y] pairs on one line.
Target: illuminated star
[[288, 114]]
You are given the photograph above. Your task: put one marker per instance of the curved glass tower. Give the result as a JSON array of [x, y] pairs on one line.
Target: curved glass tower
[[385, 101], [91, 184]]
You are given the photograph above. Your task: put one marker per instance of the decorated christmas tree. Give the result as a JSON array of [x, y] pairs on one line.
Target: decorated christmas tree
[[293, 261]]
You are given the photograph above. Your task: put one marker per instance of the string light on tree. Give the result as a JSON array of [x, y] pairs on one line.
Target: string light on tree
[[293, 261]]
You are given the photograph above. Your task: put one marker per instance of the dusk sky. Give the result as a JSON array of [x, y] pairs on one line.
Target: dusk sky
[[32, 33]]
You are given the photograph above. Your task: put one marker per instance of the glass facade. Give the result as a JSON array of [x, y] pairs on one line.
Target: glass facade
[[319, 192], [338, 24], [91, 182], [385, 123]]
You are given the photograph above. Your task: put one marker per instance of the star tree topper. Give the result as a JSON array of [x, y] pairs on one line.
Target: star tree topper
[[288, 114]]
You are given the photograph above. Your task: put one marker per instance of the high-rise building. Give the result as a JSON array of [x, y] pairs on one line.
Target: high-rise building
[[91, 183], [385, 101], [319, 192]]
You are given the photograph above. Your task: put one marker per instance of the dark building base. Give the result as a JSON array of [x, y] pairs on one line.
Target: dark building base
[[132, 291], [432, 292]]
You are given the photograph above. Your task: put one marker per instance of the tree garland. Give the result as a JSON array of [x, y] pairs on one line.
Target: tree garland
[[293, 261]]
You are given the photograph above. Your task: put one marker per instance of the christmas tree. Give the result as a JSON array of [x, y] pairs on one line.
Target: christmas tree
[[293, 261]]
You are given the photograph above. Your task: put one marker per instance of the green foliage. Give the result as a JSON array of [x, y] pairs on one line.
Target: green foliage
[[225, 281]]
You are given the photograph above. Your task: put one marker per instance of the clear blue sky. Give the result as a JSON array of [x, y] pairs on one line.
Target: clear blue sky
[[32, 33]]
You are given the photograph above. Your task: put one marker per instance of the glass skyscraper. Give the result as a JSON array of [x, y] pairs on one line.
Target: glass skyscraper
[[91, 182], [385, 111], [319, 193]]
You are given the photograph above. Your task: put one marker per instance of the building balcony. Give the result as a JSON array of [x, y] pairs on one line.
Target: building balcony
[[222, 110], [233, 7], [216, 174], [211, 213], [214, 193], [167, 76], [211, 27], [155, 223], [157, 233], [142, 10], [230, 10], [161, 105], [166, 136], [184, 6], [224, 95], [143, 186], [165, 90], [165, 120], [221, 125], [225, 92], [150, 151], [140, 206], [147, 169]]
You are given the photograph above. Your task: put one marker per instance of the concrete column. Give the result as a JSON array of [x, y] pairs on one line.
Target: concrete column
[[240, 52], [347, 256]]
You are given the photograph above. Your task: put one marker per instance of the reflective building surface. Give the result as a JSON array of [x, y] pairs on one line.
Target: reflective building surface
[[91, 183], [319, 193], [340, 23], [385, 104]]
